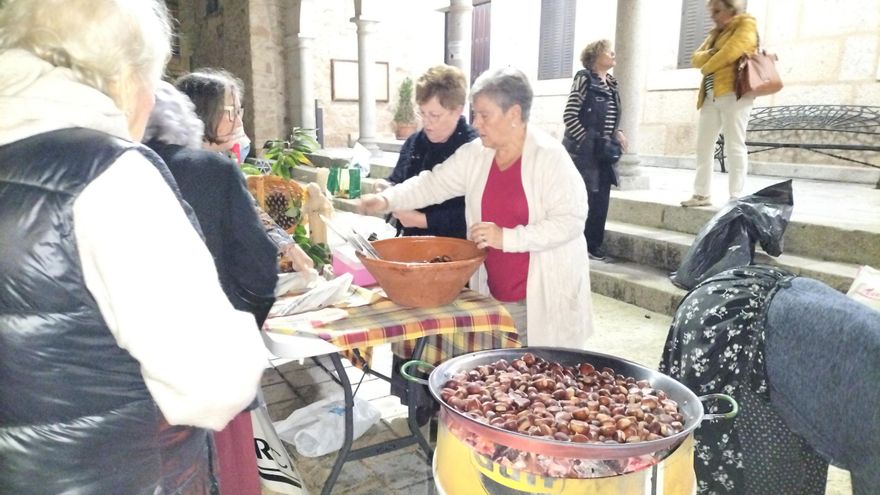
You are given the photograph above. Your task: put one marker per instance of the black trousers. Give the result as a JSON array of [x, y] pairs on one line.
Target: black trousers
[[598, 199], [598, 180]]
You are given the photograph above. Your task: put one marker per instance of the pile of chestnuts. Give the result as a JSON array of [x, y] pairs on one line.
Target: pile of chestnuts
[[533, 396]]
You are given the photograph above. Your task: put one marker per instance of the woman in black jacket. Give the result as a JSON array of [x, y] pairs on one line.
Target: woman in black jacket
[[440, 94], [245, 257], [217, 96], [592, 136]]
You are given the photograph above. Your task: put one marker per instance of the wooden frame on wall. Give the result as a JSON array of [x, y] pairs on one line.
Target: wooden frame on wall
[[344, 80]]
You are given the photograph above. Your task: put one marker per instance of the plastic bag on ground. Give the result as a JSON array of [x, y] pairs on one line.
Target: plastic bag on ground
[[319, 428], [277, 472], [728, 239]]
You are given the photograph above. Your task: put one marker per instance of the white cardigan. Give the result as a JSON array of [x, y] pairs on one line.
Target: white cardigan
[[558, 300]]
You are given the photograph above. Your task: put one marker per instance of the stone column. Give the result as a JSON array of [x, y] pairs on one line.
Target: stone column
[[366, 90], [459, 35], [630, 73], [300, 77]]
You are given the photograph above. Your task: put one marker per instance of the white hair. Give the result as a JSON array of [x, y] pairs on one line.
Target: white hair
[[506, 86], [107, 44], [174, 119]]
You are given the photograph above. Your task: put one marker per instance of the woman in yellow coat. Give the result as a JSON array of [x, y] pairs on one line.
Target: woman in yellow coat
[[735, 34]]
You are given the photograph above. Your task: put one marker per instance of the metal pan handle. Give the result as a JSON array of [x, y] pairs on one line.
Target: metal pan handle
[[404, 370], [734, 407]]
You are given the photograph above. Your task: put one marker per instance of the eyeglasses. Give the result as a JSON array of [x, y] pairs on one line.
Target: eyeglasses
[[430, 116], [232, 112]]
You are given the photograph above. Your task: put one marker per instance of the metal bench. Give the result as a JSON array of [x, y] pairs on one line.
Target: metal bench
[[822, 129]]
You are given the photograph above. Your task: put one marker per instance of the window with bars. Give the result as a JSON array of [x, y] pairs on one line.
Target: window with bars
[[695, 25], [556, 49]]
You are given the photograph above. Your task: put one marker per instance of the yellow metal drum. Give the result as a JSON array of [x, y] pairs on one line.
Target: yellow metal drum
[[460, 470]]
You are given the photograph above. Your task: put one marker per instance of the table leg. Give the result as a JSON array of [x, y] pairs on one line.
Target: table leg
[[346, 454], [342, 456], [411, 419]]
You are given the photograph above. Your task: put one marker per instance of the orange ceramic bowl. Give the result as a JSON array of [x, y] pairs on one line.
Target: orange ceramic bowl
[[410, 279]]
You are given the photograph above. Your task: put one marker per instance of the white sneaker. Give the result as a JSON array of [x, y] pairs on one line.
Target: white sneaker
[[697, 201]]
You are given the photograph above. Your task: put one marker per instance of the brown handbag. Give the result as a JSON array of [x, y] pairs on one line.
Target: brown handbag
[[756, 74]]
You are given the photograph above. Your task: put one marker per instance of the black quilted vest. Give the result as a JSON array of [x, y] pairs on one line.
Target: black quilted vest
[[75, 414]]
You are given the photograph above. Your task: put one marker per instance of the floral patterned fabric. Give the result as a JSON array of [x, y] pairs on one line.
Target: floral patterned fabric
[[716, 344]]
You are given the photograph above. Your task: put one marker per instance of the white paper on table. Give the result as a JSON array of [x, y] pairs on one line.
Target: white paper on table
[[359, 296], [324, 293], [295, 281], [304, 322], [364, 225]]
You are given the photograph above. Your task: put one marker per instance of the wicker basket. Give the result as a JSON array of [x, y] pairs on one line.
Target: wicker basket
[[274, 194]]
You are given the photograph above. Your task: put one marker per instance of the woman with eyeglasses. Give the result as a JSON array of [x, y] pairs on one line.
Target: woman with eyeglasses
[[245, 257], [217, 94], [440, 95]]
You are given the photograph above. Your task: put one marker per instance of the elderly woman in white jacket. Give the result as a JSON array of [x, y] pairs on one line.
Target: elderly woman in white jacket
[[525, 203]]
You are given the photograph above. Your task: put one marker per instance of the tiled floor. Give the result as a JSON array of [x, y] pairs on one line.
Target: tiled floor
[[621, 330]]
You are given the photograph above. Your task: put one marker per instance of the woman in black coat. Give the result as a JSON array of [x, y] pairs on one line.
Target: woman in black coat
[[212, 184], [245, 257], [592, 119]]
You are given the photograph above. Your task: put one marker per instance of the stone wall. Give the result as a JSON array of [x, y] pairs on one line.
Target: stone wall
[[828, 49], [268, 21], [408, 36], [828, 54], [219, 40]]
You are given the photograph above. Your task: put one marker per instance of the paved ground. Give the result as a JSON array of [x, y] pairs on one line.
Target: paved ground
[[621, 329]]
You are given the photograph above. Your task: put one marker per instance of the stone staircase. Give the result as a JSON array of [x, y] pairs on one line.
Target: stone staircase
[[647, 237], [648, 241]]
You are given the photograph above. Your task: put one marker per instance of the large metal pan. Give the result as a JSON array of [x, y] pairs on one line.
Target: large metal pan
[[690, 405]]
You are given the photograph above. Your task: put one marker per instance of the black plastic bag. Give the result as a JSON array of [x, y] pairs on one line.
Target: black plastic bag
[[728, 239]]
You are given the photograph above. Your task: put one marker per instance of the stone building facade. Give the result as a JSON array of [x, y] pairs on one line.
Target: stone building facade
[[257, 40], [829, 53]]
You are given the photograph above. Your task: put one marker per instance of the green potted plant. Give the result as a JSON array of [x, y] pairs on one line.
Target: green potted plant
[[404, 119], [287, 154]]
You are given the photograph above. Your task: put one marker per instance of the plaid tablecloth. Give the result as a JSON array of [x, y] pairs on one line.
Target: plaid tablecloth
[[470, 323]]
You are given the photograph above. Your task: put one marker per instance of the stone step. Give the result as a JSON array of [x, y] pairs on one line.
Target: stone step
[[392, 146], [664, 250], [810, 240], [640, 285]]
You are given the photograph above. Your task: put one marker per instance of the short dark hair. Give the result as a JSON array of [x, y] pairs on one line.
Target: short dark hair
[[207, 90], [445, 82]]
